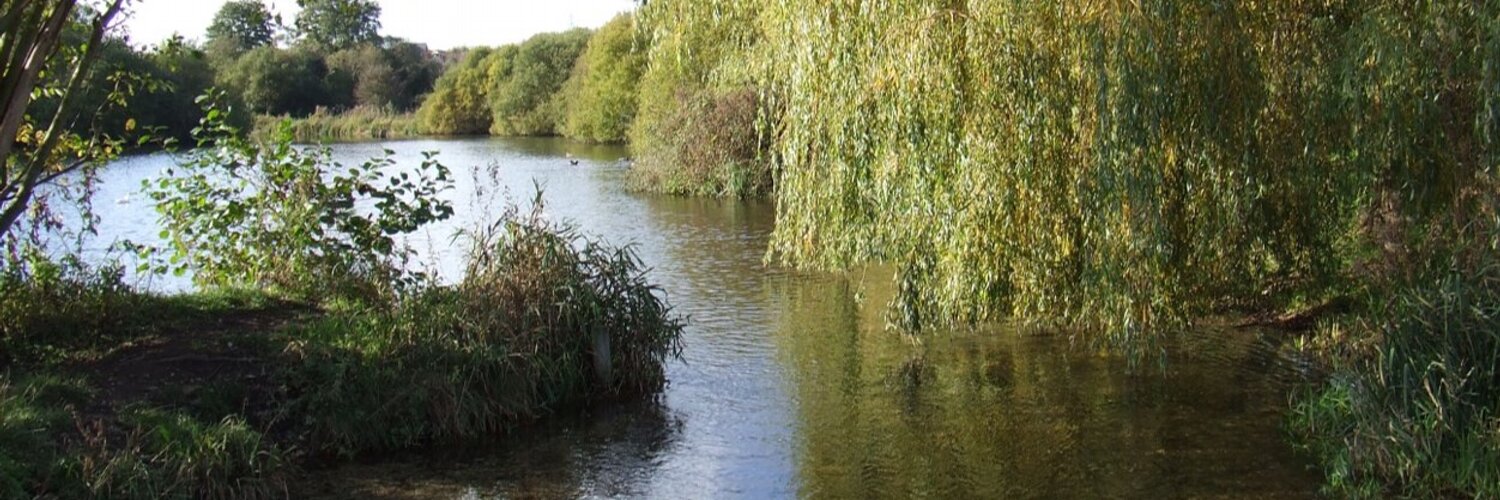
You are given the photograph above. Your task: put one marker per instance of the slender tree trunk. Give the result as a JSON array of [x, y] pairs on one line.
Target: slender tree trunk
[[27, 48]]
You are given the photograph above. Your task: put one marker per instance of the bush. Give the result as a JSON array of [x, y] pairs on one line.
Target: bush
[[275, 215], [391, 77], [512, 342], [277, 81], [711, 146], [48, 308], [698, 65], [458, 104], [527, 100]]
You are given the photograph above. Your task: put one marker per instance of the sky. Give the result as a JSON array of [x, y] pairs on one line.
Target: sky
[[441, 24]]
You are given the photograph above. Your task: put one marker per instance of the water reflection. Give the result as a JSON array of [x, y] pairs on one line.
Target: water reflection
[[1002, 414], [601, 453]]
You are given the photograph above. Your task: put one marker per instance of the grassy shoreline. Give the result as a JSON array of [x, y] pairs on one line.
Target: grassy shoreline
[[106, 392], [358, 124]]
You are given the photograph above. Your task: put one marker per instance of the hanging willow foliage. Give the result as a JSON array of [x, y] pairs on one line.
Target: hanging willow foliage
[[1116, 167]]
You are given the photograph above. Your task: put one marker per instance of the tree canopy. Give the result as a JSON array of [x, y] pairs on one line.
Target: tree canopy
[[603, 89], [241, 25], [524, 102], [339, 24], [278, 81]]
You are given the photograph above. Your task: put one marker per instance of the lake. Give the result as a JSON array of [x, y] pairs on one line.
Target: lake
[[790, 385]]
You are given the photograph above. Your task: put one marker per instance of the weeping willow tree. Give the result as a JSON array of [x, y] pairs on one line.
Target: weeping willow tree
[[1121, 168], [1116, 167]]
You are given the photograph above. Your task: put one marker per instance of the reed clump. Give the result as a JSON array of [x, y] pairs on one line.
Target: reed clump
[[514, 341]]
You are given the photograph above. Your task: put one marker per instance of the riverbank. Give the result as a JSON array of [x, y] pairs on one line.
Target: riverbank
[[112, 393]]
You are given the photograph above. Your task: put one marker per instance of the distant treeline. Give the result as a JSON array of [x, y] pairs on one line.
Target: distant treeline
[[579, 83], [685, 101], [333, 59], [614, 85]]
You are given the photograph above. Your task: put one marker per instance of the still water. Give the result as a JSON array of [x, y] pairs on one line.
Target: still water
[[789, 386]]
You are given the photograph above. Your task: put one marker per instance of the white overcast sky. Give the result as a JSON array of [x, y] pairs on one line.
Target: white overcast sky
[[441, 24]]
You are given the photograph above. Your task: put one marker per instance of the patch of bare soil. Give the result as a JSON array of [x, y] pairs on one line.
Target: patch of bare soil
[[230, 350]]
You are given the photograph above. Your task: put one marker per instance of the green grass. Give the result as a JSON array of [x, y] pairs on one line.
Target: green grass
[[1413, 406], [32, 413], [148, 453]]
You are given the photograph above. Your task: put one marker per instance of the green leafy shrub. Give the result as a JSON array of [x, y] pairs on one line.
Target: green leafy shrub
[[700, 56], [244, 214], [276, 81], [49, 308], [392, 76], [711, 146], [459, 102]]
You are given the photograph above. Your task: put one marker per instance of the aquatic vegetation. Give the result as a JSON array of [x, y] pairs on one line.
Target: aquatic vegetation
[[1421, 413]]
